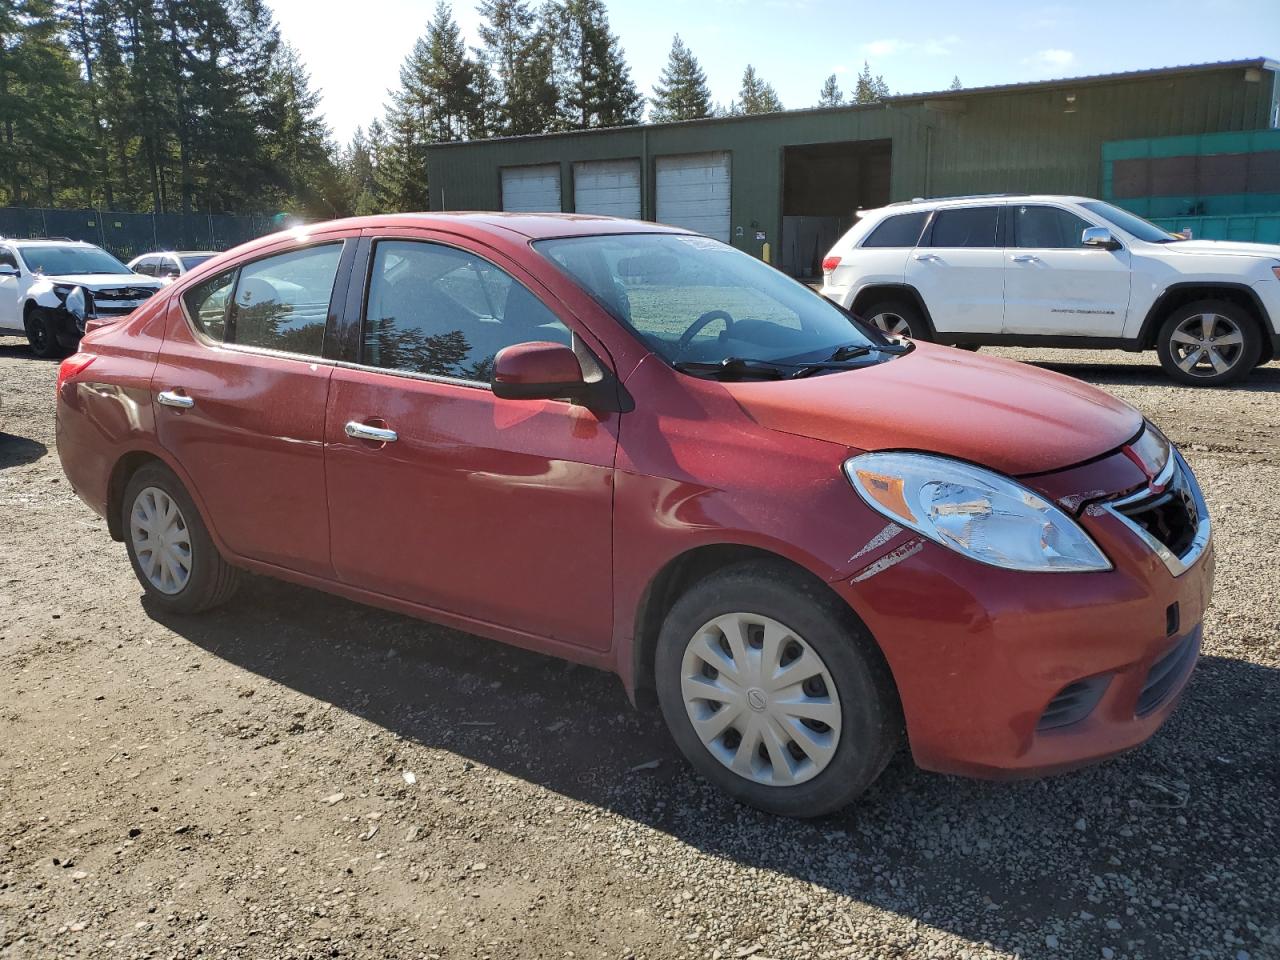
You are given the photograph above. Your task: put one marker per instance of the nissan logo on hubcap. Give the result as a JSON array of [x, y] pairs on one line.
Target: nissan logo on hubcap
[[756, 699]]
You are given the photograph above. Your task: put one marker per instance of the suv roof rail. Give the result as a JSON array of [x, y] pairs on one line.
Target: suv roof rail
[[961, 196]]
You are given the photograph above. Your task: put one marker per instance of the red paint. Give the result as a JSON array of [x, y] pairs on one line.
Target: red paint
[[524, 364], [544, 524]]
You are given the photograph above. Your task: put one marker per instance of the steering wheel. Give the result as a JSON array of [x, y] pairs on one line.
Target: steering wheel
[[686, 338]]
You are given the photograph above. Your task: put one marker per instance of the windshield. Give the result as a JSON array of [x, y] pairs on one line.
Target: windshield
[[190, 263], [64, 261], [693, 300], [1130, 223]]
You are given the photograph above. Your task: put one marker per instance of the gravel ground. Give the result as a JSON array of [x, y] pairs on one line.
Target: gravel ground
[[298, 776]]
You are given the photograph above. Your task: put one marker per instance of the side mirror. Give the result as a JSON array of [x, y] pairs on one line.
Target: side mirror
[[1100, 238], [538, 371]]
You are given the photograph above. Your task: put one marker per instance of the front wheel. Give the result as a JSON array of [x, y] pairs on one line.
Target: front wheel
[[42, 335], [1209, 343], [774, 692], [173, 556]]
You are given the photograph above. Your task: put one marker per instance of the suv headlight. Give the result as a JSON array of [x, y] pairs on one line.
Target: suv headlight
[[975, 512]]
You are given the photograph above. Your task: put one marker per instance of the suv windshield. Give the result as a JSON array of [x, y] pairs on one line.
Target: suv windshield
[[699, 302], [1130, 223], [63, 261]]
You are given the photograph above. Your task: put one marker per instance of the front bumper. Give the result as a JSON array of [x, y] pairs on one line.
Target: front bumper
[[993, 661]]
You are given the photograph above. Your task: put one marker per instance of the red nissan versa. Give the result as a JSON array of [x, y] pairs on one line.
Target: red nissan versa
[[640, 449]]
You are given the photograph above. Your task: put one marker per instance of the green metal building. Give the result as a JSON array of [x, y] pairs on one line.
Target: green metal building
[[785, 185]]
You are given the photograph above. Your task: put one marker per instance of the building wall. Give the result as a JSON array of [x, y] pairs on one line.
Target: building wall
[[1031, 139]]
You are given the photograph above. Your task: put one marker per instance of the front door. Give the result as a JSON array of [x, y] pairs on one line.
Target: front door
[[958, 268], [1053, 284], [495, 510], [239, 395]]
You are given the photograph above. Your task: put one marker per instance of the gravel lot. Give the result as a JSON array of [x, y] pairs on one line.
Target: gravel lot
[[298, 776]]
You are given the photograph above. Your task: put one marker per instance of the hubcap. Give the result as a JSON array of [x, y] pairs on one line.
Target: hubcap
[[1206, 345], [760, 699], [893, 324], [161, 540]]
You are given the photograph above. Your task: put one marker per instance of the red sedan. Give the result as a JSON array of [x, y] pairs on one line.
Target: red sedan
[[640, 449]]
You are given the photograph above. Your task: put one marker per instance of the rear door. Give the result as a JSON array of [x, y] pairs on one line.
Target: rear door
[[240, 393], [958, 268], [497, 511], [1054, 285]]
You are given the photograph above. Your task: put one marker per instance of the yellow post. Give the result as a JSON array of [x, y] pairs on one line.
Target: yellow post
[[764, 253]]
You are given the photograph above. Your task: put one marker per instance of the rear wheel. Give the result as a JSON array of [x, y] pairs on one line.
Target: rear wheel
[[41, 333], [173, 556], [897, 318], [1209, 343], [774, 692]]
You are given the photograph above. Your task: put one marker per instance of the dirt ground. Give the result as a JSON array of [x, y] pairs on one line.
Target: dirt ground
[[299, 776]]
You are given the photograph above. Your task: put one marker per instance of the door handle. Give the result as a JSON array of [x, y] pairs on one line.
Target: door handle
[[170, 398], [924, 257], [362, 431], [1026, 258]]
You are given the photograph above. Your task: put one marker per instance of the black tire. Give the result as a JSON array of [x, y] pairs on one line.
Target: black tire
[[212, 581], [1228, 318], [908, 312], [42, 335], [871, 718]]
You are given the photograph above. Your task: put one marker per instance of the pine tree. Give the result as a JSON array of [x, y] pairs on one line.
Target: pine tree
[[756, 96], [518, 55], [955, 83], [595, 83], [869, 89], [681, 92], [831, 94], [300, 156]]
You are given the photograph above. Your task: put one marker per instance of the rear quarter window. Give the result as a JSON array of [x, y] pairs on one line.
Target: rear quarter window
[[207, 302], [900, 230]]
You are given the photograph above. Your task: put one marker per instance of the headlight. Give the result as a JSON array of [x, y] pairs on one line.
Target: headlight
[[76, 303], [975, 512]]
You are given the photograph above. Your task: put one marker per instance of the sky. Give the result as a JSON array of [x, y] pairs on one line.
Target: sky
[[355, 56]]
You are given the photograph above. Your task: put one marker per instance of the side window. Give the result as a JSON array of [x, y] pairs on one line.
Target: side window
[[902, 230], [207, 302], [166, 267], [438, 310], [7, 259], [282, 302], [966, 227], [146, 266], [1046, 227]]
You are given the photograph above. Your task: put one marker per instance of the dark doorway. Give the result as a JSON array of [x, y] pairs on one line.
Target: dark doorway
[[823, 184]]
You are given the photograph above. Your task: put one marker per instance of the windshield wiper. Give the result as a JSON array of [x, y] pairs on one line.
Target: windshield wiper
[[736, 367], [851, 351]]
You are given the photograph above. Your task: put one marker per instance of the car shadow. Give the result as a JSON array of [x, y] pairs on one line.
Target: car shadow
[[1264, 379], [1005, 864], [17, 451]]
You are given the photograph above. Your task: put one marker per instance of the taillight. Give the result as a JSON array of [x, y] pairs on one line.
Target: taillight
[[73, 365], [829, 264]]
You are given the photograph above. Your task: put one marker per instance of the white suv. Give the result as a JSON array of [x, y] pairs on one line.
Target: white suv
[[49, 289], [1062, 272]]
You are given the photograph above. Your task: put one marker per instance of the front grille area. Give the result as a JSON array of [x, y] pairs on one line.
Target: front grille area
[[109, 302], [1168, 672], [1073, 703], [1171, 517]]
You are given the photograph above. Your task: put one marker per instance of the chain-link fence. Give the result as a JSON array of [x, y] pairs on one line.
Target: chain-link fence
[[128, 234]]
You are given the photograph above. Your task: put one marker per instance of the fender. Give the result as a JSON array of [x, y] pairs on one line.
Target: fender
[[898, 290], [42, 294], [1159, 307]]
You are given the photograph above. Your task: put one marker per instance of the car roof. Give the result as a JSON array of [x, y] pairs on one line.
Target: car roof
[[977, 199], [48, 242]]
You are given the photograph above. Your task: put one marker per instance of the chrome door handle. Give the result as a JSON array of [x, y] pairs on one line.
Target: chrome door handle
[[922, 257], [362, 431], [171, 399], [1026, 258]]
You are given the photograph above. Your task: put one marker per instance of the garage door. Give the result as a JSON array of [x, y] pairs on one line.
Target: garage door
[[531, 189], [693, 192], [610, 188]]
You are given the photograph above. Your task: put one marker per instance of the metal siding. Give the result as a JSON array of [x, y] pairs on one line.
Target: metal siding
[[607, 187]]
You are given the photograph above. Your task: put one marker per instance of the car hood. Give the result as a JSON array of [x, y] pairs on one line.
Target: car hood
[[1229, 248], [106, 281], [1011, 417]]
